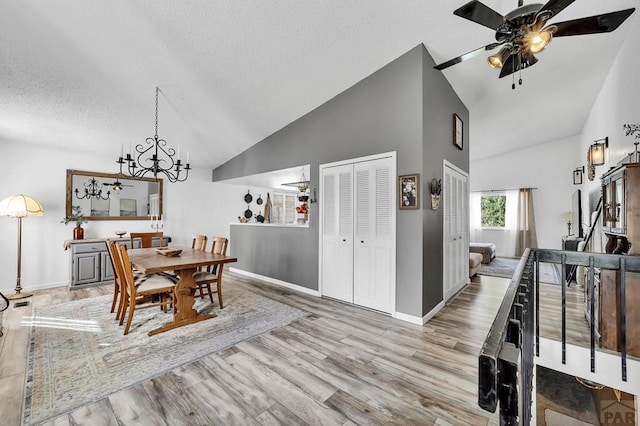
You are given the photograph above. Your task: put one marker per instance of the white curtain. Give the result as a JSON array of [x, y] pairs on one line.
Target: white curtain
[[511, 222], [525, 222], [475, 228]]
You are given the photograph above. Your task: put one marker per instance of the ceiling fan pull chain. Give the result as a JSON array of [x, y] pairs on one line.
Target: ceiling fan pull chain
[[513, 75], [520, 72]]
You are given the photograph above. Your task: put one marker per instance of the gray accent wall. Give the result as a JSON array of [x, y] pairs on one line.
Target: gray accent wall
[[387, 111], [438, 145]]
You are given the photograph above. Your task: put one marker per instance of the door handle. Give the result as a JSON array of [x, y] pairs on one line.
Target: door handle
[[362, 241]]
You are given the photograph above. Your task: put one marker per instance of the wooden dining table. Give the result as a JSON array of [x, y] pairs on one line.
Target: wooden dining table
[[150, 261]]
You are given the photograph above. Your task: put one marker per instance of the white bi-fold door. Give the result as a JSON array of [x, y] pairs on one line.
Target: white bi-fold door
[[455, 194], [358, 232]]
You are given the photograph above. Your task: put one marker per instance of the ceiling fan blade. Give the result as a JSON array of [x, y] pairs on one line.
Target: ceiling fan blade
[[516, 62], [548, 11], [511, 65], [604, 23], [480, 14], [466, 56], [555, 6]]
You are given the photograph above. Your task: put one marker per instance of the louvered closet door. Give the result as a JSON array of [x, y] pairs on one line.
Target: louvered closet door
[[337, 232], [374, 248], [456, 231]]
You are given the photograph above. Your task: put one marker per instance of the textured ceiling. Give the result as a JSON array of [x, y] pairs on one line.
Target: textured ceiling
[[81, 74]]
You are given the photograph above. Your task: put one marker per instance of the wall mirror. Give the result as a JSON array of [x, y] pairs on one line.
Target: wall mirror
[[108, 196]]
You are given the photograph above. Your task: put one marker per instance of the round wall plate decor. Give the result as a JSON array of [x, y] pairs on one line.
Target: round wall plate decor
[[248, 197]]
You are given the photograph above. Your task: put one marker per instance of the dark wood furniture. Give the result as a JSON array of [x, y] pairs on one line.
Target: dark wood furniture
[[621, 225], [148, 261]]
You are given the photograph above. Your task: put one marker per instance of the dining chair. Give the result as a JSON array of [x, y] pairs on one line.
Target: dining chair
[[143, 290], [212, 274], [146, 238], [199, 242], [118, 278]]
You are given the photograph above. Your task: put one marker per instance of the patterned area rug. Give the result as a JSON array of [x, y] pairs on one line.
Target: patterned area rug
[[78, 353], [506, 266]]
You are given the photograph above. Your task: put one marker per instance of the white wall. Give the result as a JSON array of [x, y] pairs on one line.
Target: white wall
[[196, 206], [547, 167], [618, 103]]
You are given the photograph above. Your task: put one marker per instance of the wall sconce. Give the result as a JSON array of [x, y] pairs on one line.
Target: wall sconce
[[596, 151], [577, 175], [595, 156]]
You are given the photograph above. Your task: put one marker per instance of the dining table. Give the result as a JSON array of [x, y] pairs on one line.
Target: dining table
[[151, 261]]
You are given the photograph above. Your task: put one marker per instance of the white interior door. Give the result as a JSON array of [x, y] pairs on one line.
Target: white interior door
[[456, 230], [374, 241], [358, 231], [337, 232]]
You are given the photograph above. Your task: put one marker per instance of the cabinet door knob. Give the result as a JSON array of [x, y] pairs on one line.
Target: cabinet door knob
[[362, 241]]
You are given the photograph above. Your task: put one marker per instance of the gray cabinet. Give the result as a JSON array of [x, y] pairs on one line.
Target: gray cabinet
[[91, 263]]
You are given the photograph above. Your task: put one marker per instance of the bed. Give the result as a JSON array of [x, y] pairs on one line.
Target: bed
[[487, 250]]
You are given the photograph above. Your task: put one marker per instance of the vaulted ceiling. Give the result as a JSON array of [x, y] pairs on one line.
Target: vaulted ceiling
[[81, 74]]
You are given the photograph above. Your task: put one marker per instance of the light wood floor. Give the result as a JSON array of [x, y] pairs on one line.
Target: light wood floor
[[340, 365]]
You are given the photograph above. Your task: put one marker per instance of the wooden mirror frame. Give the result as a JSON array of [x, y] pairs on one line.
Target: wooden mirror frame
[[114, 176]]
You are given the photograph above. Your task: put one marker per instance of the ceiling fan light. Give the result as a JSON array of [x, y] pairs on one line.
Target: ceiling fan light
[[497, 60], [540, 40]]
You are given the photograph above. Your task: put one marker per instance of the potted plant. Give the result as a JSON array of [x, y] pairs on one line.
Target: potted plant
[[77, 217]]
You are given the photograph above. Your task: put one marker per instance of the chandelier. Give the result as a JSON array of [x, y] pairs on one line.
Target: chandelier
[[92, 189], [154, 157]]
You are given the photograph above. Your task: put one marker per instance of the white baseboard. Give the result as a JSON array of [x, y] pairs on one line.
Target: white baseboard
[[276, 282], [417, 320]]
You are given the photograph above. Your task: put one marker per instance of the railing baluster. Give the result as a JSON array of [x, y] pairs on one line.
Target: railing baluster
[[537, 290], [563, 260], [623, 318], [592, 308]]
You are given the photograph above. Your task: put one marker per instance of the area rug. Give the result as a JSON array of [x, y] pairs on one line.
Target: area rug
[[78, 353], [506, 266]]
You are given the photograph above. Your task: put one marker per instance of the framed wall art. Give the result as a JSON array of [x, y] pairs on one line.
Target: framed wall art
[[458, 131], [409, 191]]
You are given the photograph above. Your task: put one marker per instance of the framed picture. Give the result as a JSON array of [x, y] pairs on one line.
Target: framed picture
[[128, 207], [409, 191], [457, 131], [99, 207]]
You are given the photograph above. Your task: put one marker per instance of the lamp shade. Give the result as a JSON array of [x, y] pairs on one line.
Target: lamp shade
[[20, 206]]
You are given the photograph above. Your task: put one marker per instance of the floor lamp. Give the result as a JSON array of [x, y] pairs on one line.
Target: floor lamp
[[20, 206]]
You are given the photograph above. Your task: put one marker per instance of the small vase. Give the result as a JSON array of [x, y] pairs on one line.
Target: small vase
[[435, 201], [78, 233]]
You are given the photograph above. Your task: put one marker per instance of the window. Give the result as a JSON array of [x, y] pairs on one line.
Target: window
[[492, 210], [283, 208]]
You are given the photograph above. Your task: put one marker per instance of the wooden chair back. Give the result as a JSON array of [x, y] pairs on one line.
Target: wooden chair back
[[117, 274], [199, 242], [146, 238]]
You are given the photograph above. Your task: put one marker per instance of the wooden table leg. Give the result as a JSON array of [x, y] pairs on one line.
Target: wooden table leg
[[184, 300]]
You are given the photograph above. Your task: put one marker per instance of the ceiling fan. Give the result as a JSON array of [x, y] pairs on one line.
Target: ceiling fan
[[524, 32], [116, 186]]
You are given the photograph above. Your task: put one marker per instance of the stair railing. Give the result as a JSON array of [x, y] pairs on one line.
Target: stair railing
[[505, 363]]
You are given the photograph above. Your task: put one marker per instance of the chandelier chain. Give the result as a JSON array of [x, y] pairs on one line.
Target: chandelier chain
[[157, 90]]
